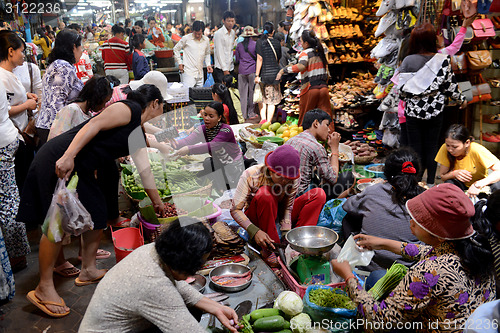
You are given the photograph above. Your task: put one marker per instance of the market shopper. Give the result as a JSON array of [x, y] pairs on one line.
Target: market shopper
[[425, 82], [465, 163], [90, 146], [220, 93], [91, 99], [60, 82], [9, 195], [140, 64], [453, 275], [313, 156], [224, 41], [380, 209], [195, 53], [165, 301], [155, 34], [116, 55], [313, 67], [22, 103], [42, 41], [230, 82], [266, 194], [266, 71], [247, 58]]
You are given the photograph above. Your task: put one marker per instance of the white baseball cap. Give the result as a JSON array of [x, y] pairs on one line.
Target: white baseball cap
[[155, 78], [385, 22], [385, 6]]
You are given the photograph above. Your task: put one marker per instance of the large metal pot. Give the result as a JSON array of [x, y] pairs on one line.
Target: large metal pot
[[312, 240]]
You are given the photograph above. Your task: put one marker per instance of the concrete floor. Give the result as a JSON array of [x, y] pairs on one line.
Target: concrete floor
[[19, 315]]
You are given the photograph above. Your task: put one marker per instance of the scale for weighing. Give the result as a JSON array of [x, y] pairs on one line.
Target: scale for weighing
[[312, 241]]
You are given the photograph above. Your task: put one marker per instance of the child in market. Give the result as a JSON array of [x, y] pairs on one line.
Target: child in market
[[140, 64], [231, 84], [220, 93], [465, 163], [453, 275]]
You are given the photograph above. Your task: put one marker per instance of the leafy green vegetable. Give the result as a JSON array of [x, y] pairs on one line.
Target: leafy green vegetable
[[329, 298], [389, 281]]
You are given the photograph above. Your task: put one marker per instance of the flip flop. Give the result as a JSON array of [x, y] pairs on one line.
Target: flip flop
[[42, 305], [81, 283], [100, 254], [67, 270]]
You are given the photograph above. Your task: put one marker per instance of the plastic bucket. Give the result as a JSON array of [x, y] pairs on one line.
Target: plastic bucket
[[126, 240]]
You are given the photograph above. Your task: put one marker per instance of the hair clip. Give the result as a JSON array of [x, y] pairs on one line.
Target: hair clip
[[265, 32], [111, 85]]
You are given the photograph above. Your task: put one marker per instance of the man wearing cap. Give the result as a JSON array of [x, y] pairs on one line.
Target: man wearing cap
[[454, 273], [196, 51], [265, 198], [224, 42]]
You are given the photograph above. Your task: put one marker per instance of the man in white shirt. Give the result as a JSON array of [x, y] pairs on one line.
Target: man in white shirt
[[224, 42], [196, 51]]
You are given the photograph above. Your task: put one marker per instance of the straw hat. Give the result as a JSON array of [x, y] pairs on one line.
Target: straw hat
[[249, 31]]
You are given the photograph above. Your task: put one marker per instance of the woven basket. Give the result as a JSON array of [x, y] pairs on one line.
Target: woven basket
[[364, 159], [255, 144]]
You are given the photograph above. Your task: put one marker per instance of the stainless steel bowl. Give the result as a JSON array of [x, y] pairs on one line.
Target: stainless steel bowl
[[199, 282], [361, 187], [230, 269], [312, 240]]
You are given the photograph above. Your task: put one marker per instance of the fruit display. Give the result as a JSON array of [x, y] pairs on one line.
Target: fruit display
[[362, 151], [268, 129]]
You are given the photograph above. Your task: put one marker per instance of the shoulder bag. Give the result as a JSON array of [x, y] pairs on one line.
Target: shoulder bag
[[483, 28], [478, 60], [459, 63]]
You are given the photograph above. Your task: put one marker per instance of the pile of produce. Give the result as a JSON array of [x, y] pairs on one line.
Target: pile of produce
[[172, 211], [353, 92], [284, 131], [169, 180], [330, 298], [361, 149], [264, 320]]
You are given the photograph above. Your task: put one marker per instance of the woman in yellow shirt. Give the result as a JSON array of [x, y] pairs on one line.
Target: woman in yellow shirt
[[466, 163], [43, 41]]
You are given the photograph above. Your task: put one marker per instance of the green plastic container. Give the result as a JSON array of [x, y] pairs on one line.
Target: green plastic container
[[313, 269], [364, 173], [273, 139]]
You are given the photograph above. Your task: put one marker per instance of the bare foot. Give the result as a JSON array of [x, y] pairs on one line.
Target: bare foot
[[90, 274], [51, 295]]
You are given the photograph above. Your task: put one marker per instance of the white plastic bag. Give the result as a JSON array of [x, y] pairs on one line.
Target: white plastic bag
[[257, 94], [66, 213], [351, 253]]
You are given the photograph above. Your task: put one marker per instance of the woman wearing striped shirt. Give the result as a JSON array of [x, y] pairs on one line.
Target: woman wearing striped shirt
[[314, 69]]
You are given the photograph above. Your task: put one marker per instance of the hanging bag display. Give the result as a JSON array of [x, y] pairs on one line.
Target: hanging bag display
[[481, 91], [478, 60], [466, 89], [483, 6], [459, 63], [483, 28]]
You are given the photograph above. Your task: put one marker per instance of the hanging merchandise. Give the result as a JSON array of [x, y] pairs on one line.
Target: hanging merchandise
[[483, 6], [483, 29], [406, 19], [469, 8]]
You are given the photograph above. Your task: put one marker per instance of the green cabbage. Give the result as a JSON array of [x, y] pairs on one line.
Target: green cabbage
[[290, 303], [300, 323]]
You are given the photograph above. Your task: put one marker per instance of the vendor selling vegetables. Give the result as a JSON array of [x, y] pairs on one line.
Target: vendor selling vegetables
[[216, 138], [147, 288], [266, 195], [453, 275], [114, 133]]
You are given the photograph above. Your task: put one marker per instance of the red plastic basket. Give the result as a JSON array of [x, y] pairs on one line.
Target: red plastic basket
[[295, 286], [126, 240]]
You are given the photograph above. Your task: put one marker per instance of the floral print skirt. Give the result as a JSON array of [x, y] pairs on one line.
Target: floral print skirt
[[271, 94], [14, 233]]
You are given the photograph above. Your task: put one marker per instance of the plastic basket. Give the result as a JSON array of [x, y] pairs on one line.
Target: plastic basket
[[126, 240], [378, 174], [295, 286]]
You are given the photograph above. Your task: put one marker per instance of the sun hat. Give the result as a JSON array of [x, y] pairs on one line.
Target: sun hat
[[284, 161], [155, 78], [249, 31], [385, 22], [443, 211], [385, 6]]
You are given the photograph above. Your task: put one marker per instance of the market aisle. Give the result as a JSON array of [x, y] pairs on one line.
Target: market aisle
[[19, 314]]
